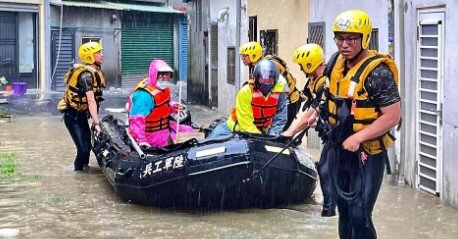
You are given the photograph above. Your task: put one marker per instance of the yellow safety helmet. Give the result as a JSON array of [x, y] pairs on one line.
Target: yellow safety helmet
[[253, 49], [354, 21], [309, 56], [87, 50]]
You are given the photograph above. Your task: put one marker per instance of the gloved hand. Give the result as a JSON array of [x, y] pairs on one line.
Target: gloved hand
[[144, 145]]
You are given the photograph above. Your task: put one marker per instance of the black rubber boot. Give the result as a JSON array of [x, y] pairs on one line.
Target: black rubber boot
[[329, 210]]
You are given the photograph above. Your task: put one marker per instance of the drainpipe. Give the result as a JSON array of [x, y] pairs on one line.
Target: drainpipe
[[44, 43], [399, 55], [237, 44]]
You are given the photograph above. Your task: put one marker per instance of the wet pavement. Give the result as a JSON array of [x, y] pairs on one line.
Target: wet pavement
[[48, 200]]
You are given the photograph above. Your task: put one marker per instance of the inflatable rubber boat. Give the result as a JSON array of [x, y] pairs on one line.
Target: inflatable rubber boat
[[238, 171]]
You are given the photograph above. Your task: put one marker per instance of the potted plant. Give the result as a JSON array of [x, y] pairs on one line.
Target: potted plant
[[7, 85]]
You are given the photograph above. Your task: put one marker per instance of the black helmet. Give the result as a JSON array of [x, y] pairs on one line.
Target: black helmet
[[264, 70]]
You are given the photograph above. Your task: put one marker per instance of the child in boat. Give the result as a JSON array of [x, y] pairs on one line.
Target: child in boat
[[150, 106]]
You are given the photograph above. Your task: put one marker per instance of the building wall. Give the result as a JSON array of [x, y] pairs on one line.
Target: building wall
[[449, 111], [87, 22], [31, 57], [327, 11], [292, 27], [24, 1], [196, 84], [227, 37]]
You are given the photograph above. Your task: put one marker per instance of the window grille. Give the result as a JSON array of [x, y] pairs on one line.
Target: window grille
[[269, 41]]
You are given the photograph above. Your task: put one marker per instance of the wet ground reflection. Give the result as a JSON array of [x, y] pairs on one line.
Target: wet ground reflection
[[49, 200]]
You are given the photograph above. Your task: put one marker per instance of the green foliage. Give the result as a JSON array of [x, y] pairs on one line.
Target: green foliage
[[7, 165], [5, 114], [8, 169]]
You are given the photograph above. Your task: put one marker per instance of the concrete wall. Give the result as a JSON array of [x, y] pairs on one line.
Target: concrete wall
[[292, 27], [227, 37], [87, 22], [24, 1], [289, 28], [449, 111], [196, 84], [327, 11]]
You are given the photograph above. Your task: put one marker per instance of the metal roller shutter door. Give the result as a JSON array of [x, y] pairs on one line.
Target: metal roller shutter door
[[143, 41]]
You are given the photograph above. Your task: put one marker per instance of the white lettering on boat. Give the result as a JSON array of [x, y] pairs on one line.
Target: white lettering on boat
[[167, 164], [158, 166]]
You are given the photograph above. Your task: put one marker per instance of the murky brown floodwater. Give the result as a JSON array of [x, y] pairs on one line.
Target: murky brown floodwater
[[52, 201]]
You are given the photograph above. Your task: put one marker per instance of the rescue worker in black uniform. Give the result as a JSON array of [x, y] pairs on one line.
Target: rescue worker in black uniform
[[310, 58], [83, 94], [362, 106]]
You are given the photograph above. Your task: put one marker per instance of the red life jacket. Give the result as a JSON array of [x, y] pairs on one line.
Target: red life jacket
[[158, 119], [264, 109]]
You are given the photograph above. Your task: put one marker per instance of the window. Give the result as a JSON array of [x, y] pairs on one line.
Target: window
[[231, 65], [373, 44], [316, 33], [269, 41], [253, 28], [91, 39]]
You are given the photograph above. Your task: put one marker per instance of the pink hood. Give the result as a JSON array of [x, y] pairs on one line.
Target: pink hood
[[155, 67]]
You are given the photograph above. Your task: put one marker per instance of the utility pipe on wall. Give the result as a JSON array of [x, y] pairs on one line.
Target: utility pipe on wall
[[44, 43], [237, 44]]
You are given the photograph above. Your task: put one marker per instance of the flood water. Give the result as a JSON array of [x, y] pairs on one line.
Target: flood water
[[49, 200]]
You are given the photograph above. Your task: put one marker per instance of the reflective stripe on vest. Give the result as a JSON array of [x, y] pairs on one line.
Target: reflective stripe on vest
[[74, 96], [365, 111]]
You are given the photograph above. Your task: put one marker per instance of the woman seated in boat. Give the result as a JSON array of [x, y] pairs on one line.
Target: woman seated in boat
[[150, 106], [260, 107]]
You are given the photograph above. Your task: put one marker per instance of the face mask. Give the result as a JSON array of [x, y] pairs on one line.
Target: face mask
[[265, 85], [162, 84], [265, 88]]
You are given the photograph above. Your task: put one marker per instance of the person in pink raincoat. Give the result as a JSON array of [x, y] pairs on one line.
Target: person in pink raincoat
[[150, 106]]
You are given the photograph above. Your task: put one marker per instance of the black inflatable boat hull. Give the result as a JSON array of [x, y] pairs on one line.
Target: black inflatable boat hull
[[213, 174]]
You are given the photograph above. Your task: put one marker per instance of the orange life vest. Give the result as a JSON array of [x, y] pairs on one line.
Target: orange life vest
[[158, 119], [351, 87], [264, 109]]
